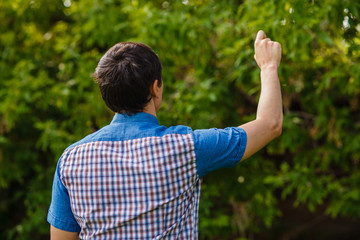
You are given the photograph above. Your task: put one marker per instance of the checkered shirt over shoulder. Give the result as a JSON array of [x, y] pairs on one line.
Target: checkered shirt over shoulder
[[144, 188]]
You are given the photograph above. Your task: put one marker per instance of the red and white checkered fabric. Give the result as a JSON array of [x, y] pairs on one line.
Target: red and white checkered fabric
[[144, 188]]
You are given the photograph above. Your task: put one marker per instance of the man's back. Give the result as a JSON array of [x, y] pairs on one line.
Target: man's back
[[133, 179]]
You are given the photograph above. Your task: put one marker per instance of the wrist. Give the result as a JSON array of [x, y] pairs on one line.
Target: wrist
[[269, 67]]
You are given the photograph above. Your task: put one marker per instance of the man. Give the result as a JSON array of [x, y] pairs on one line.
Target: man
[[135, 179]]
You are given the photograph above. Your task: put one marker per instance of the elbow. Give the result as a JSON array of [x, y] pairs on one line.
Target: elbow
[[271, 127], [276, 127], [278, 131]]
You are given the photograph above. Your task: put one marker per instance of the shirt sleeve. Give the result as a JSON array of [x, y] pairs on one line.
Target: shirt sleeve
[[218, 148], [60, 214]]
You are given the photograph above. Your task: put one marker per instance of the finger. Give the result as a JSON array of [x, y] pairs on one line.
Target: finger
[[260, 35], [277, 44]]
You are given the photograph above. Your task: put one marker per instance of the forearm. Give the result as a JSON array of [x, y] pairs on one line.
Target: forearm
[[270, 102], [269, 116]]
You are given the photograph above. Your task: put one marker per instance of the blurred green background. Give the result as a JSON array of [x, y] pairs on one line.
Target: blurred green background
[[304, 185]]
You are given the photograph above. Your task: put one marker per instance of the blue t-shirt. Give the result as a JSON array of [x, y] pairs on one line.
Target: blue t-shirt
[[205, 150]]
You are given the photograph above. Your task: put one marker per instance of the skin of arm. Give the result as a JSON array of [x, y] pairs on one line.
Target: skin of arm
[[57, 234], [269, 116]]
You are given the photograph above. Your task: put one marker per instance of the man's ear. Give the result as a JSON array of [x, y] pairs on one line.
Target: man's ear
[[155, 89]]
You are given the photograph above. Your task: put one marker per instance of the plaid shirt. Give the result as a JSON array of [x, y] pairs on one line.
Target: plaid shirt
[[134, 179]]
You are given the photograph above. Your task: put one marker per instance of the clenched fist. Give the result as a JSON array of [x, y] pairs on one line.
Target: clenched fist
[[267, 52]]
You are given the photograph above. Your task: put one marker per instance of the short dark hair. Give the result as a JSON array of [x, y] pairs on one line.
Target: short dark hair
[[125, 74]]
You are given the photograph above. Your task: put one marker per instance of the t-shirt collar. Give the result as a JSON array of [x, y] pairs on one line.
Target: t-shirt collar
[[137, 117]]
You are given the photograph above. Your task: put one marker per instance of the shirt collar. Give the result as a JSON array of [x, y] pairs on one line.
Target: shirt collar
[[137, 117]]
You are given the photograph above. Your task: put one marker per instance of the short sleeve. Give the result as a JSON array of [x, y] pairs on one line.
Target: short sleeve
[[60, 214], [218, 148]]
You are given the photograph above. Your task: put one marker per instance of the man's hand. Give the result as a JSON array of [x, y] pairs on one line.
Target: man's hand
[[267, 52]]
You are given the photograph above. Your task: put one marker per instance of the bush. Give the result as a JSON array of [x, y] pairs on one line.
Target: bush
[[48, 100]]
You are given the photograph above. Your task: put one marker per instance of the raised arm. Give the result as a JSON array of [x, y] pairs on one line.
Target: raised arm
[[269, 115]]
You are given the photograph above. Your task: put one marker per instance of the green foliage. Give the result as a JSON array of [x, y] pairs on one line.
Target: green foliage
[[49, 49]]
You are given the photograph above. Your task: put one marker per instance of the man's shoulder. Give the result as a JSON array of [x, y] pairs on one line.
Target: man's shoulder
[[177, 129], [89, 138]]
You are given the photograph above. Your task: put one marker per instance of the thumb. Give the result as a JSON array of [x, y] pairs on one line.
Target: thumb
[[260, 36]]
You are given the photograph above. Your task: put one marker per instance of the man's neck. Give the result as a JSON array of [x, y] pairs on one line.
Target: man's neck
[[150, 108]]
